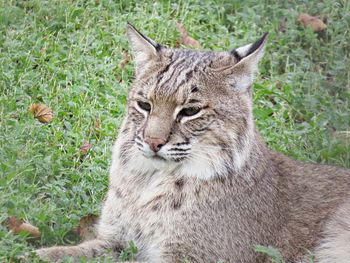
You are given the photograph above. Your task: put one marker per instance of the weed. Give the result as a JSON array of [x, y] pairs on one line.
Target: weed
[[65, 54]]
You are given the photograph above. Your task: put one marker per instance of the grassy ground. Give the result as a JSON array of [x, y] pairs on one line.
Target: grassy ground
[[66, 54]]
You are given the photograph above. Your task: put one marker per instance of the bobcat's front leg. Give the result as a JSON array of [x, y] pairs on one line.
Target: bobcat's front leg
[[88, 249], [109, 236]]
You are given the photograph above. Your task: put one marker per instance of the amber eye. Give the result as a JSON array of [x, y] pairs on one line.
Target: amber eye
[[186, 112], [144, 105]]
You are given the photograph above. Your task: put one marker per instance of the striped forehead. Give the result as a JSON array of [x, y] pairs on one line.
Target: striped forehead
[[174, 79]]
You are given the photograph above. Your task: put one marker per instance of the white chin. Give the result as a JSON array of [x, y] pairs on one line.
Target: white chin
[[160, 163]]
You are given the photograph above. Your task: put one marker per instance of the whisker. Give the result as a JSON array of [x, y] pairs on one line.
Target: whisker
[[180, 149], [181, 143], [178, 154]]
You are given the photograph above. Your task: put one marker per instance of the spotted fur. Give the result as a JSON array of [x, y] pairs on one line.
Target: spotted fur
[[213, 190]]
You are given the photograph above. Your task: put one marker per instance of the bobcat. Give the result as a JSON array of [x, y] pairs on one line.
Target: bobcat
[[191, 178]]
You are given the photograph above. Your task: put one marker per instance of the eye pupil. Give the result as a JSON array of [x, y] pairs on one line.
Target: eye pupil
[[189, 111], [144, 105]]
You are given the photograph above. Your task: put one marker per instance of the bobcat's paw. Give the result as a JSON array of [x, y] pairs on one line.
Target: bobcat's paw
[[51, 254]]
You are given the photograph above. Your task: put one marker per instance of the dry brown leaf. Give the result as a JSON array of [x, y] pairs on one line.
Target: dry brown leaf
[[85, 147], [119, 79], [125, 60], [185, 38], [314, 22], [283, 25], [342, 135], [42, 112], [97, 123], [178, 43], [300, 118], [87, 227], [17, 226], [279, 84]]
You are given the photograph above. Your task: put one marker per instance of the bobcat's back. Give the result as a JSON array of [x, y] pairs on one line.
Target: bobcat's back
[[314, 194]]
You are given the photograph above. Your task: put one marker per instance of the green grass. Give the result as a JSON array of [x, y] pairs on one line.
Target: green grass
[[66, 54]]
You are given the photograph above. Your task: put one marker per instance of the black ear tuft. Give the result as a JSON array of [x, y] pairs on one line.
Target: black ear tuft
[[247, 60], [236, 55], [244, 51], [256, 44], [150, 41]]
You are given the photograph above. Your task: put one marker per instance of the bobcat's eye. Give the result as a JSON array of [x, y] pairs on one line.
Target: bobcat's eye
[[186, 112], [144, 105]]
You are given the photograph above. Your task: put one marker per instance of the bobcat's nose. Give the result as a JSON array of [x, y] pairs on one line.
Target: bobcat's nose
[[155, 143]]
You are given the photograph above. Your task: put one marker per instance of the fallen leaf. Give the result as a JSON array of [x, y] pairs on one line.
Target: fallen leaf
[[314, 22], [85, 147], [185, 38], [97, 123], [342, 135], [87, 227], [300, 118], [119, 79], [42, 112], [125, 60], [17, 226], [283, 25], [178, 43], [279, 84]]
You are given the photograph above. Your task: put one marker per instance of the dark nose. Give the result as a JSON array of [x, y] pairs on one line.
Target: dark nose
[[155, 143]]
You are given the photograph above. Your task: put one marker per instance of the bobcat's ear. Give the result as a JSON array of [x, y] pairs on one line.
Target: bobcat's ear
[[247, 58], [145, 49]]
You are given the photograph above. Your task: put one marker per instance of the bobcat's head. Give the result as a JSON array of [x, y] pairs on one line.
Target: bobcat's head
[[189, 110]]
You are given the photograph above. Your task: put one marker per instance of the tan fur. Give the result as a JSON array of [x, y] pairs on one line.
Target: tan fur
[[214, 190]]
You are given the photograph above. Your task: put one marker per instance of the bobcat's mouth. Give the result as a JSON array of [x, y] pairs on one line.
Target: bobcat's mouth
[[173, 153]]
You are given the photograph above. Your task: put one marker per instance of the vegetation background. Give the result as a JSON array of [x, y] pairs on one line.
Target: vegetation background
[[67, 54]]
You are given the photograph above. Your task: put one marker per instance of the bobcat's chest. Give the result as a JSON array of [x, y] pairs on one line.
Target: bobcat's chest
[[166, 216], [153, 213]]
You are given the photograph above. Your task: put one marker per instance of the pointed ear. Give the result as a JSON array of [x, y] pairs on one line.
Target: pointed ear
[[247, 58], [145, 49]]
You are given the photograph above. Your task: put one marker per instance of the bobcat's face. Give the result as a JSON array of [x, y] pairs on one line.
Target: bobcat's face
[[179, 112], [186, 111]]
